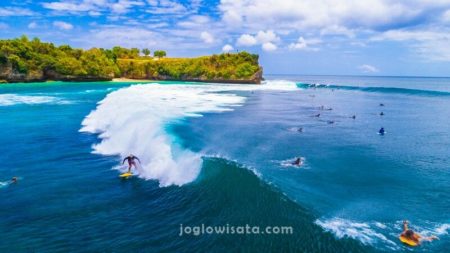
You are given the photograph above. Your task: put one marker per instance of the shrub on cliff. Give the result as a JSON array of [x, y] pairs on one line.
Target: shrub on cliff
[[22, 59], [226, 66], [29, 57]]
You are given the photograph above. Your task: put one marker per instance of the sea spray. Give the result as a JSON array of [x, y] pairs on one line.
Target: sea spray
[[133, 120]]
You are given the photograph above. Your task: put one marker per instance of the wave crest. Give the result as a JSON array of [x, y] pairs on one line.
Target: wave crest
[[134, 119], [395, 90], [14, 99]]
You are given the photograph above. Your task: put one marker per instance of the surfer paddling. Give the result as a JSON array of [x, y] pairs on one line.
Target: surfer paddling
[[131, 159], [298, 162], [412, 238]]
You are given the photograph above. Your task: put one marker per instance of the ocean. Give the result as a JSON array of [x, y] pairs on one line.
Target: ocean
[[218, 157]]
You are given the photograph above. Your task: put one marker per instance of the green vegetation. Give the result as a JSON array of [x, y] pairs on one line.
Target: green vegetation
[[159, 53], [241, 66], [32, 60], [146, 51]]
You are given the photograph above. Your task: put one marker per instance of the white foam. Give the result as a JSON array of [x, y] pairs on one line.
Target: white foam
[[442, 229], [4, 184], [133, 120], [429, 228], [14, 99], [290, 162], [363, 232]]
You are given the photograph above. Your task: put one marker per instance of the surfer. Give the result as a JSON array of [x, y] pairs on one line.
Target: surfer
[[13, 180], [413, 236], [297, 162], [131, 159], [317, 115], [382, 131], [353, 117], [381, 113]]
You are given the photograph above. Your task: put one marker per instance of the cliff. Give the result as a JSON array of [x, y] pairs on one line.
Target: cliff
[[22, 60], [235, 68]]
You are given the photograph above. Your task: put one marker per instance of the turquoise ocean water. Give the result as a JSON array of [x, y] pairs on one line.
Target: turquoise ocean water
[[220, 155]]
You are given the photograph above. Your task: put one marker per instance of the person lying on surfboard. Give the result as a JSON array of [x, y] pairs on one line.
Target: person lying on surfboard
[[131, 159], [297, 162], [413, 236]]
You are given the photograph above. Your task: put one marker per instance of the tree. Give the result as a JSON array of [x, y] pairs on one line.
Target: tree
[[146, 52], [134, 53], [159, 53], [24, 39]]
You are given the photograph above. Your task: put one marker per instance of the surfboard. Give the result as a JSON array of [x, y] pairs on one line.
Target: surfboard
[[407, 241], [126, 175]]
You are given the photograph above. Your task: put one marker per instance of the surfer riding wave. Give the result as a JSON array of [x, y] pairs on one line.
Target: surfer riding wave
[[131, 159]]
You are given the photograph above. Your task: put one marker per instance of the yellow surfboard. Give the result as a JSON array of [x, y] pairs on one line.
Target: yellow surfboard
[[408, 241], [126, 175]]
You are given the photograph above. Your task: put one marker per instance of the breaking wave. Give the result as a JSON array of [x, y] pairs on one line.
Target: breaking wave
[[134, 120]]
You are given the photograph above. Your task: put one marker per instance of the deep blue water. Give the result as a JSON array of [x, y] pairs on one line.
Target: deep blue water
[[350, 195]]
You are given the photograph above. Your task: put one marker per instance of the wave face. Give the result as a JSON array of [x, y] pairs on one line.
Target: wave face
[[134, 119], [234, 194], [394, 90], [14, 99]]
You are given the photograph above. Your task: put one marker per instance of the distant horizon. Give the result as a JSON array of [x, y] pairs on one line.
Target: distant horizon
[[355, 75], [382, 37], [283, 74]]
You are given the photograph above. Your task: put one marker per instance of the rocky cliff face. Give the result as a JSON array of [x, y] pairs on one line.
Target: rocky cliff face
[[9, 75], [139, 69], [255, 79]]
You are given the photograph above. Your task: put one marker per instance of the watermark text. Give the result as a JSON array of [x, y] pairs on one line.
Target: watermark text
[[234, 230]]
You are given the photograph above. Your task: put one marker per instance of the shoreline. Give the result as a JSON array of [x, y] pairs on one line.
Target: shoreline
[[130, 80]]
